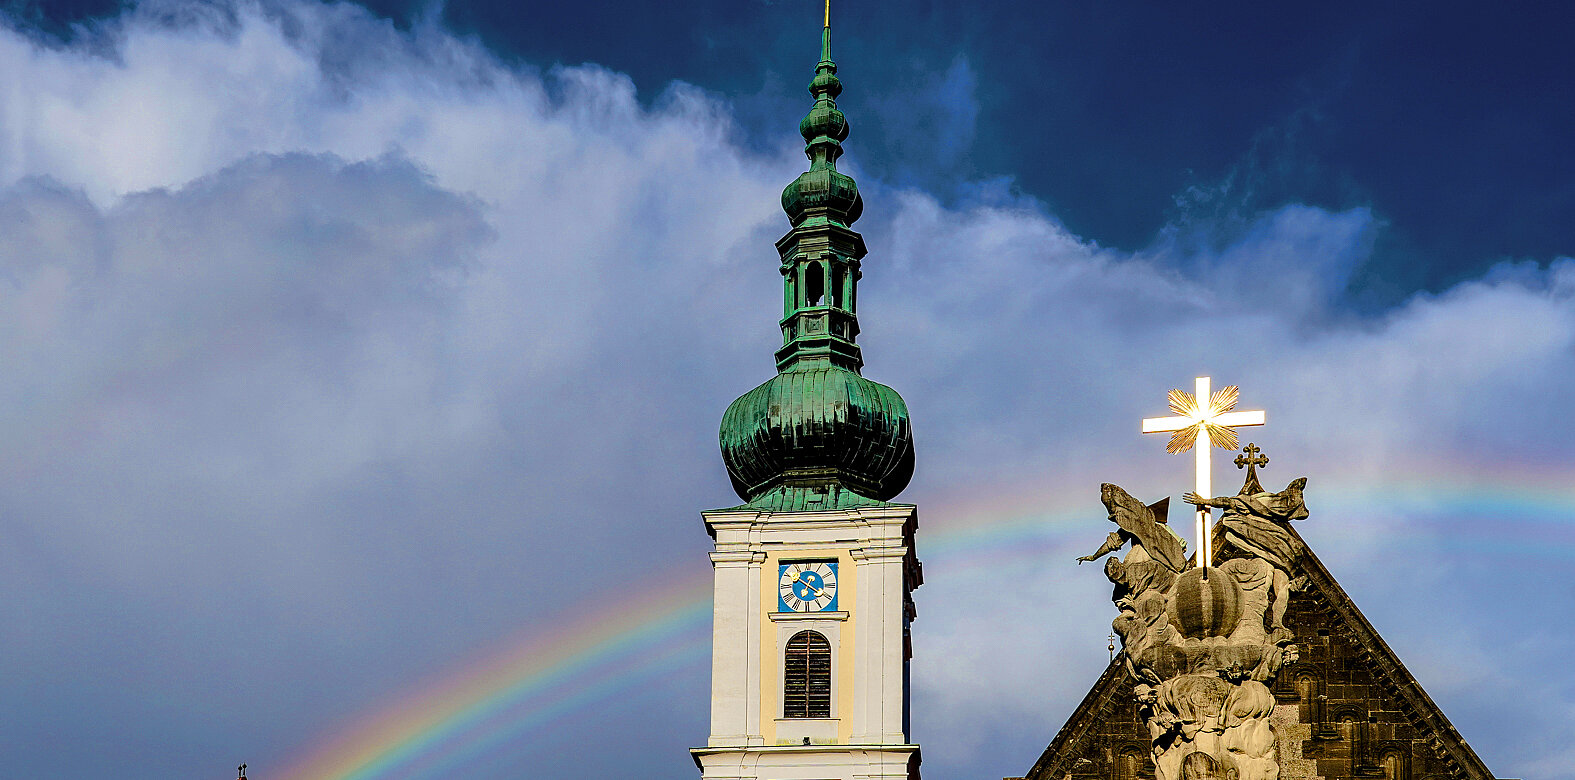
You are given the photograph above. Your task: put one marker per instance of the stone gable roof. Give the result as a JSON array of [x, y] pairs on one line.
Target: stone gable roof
[[1348, 709]]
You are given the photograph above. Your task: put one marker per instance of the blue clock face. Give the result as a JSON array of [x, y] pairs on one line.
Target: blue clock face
[[807, 586]]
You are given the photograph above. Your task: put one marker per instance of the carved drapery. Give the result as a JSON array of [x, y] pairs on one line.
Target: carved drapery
[[1205, 645]]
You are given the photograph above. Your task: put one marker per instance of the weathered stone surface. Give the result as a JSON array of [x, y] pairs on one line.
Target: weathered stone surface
[[1199, 641], [1347, 709]]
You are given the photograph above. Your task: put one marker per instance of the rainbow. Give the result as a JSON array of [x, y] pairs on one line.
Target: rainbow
[[490, 702], [535, 677]]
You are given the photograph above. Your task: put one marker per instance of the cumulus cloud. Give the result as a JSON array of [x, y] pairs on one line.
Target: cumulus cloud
[[1036, 389], [334, 352]]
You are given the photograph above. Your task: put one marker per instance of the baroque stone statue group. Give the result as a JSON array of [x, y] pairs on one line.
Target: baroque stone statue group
[[1205, 644]]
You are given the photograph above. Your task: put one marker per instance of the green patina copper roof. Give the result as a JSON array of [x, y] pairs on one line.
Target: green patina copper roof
[[802, 498], [819, 435], [817, 428]]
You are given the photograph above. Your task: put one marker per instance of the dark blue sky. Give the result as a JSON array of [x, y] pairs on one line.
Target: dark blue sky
[[1452, 123]]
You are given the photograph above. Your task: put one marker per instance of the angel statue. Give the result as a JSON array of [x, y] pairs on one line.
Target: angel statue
[[1141, 579], [1143, 526], [1258, 522]]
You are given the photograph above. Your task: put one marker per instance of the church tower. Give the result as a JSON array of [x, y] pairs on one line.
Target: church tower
[[814, 571]]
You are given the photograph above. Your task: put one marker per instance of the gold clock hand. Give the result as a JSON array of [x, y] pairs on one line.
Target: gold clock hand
[[807, 584]]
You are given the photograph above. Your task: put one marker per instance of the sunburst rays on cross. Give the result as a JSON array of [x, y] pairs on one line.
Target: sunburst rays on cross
[[1185, 404]]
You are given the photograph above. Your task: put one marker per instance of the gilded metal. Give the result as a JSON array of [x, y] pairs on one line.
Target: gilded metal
[[1214, 422]]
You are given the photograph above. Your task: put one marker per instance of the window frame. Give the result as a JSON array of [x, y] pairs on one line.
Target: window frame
[[814, 661]]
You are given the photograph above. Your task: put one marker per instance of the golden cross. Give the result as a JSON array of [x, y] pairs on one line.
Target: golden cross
[[1209, 417]]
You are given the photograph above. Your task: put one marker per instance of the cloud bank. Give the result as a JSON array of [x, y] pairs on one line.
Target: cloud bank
[[334, 352]]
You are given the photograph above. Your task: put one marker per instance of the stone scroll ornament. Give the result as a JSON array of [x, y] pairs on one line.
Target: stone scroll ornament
[[1205, 644]]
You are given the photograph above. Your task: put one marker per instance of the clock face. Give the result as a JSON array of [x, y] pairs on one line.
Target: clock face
[[808, 586]]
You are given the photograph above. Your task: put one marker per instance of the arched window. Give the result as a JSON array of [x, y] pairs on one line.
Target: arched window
[[1395, 766], [806, 677], [1307, 694], [814, 285], [1127, 765], [1346, 722]]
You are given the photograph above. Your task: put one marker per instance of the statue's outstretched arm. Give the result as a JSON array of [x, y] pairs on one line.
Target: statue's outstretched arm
[[1197, 500], [1112, 543]]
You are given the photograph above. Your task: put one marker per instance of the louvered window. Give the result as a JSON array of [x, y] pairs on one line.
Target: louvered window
[[806, 677]]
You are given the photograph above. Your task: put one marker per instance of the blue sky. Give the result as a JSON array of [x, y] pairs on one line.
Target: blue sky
[[1450, 124], [342, 344]]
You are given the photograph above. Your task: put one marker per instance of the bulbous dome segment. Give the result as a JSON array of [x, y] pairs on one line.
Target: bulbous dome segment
[[824, 120], [825, 81], [818, 426], [823, 188]]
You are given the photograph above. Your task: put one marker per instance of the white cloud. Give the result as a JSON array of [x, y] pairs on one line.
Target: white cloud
[[367, 346]]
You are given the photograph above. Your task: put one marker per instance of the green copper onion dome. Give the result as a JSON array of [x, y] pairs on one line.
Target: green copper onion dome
[[817, 428], [819, 435]]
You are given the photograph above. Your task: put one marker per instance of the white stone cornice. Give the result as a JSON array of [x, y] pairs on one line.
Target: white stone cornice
[[743, 557], [780, 616], [878, 553], [894, 747], [732, 515]]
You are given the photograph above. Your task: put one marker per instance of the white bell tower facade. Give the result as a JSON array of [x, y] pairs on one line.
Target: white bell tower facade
[[777, 713], [815, 570]]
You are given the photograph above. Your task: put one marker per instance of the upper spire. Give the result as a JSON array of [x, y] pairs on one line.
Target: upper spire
[[818, 435], [822, 193]]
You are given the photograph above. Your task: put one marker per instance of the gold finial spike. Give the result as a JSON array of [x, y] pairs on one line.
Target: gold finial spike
[[825, 38]]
